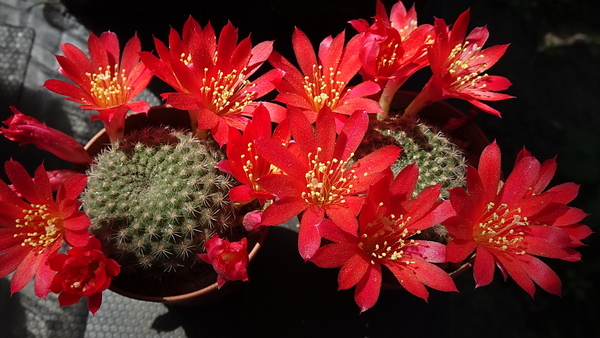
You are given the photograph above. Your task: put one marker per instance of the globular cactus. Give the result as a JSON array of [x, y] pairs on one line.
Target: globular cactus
[[438, 159], [155, 197]]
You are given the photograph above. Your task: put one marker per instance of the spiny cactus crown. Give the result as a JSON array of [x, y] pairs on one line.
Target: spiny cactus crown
[[438, 159], [155, 197]]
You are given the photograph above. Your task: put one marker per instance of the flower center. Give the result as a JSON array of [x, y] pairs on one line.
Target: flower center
[[323, 89], [254, 167], [81, 274], [464, 66], [407, 29], [386, 238], [224, 94], [387, 58], [326, 182], [40, 227], [186, 59], [108, 86], [502, 229]]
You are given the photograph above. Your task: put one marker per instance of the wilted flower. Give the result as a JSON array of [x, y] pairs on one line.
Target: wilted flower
[[26, 129]]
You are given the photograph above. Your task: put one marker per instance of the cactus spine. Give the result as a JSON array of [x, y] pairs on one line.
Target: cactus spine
[[155, 196], [438, 159]]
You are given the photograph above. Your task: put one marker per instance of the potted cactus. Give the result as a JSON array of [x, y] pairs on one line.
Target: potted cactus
[[383, 181]]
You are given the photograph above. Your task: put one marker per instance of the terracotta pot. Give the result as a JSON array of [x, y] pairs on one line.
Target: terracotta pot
[[163, 116]]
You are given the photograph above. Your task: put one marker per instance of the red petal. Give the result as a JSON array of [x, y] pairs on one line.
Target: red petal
[[353, 270], [405, 182], [67, 89], [324, 135], [349, 106], [351, 135], [281, 157], [519, 181], [241, 193], [23, 183], [283, 210], [309, 239], [11, 259], [334, 255], [66, 299], [483, 267], [43, 277], [458, 250], [429, 251], [282, 185], [541, 274], [489, 170], [331, 231], [72, 188], [25, 271], [303, 49], [185, 102], [517, 271], [408, 279], [94, 302], [363, 89], [435, 216], [367, 290], [432, 275], [372, 164], [343, 217]]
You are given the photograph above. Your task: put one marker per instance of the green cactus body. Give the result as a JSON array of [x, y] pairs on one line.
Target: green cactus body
[[439, 160], [155, 197]]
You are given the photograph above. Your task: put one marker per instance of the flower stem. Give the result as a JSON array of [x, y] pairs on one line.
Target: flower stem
[[198, 133], [387, 95]]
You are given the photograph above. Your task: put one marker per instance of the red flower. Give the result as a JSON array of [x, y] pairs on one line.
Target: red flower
[[211, 79], [507, 226], [26, 129], [457, 65], [322, 177], [229, 259], [395, 48], [323, 82], [32, 231], [106, 82], [83, 272], [244, 163], [388, 220]]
